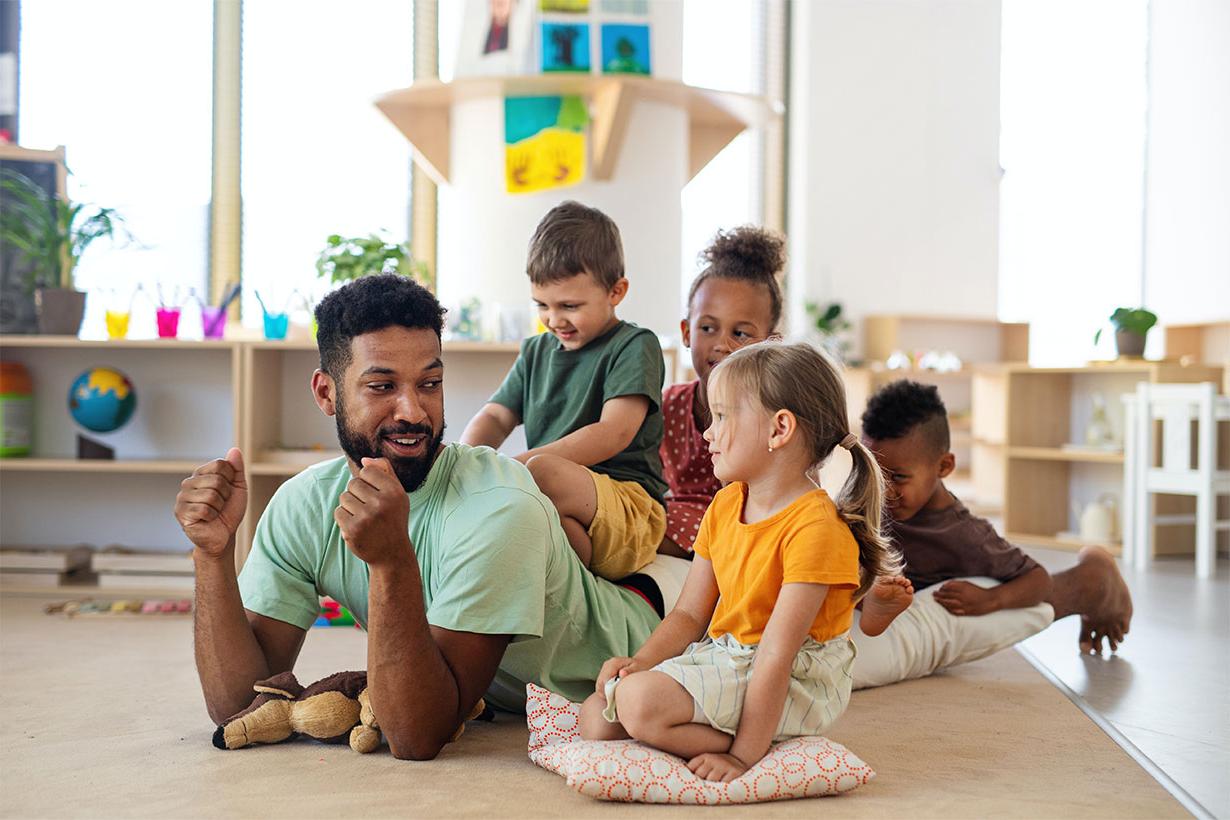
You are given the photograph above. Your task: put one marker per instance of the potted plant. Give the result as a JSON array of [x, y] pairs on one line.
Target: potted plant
[[830, 325], [347, 258], [50, 234], [1131, 325]]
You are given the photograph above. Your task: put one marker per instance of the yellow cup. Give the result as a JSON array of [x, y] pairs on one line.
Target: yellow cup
[[117, 324]]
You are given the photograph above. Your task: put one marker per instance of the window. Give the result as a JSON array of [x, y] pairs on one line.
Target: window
[[127, 89], [318, 157], [1073, 96], [722, 49]]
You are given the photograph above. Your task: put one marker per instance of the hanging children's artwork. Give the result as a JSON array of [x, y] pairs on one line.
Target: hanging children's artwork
[[544, 142], [637, 7], [496, 38], [565, 47], [625, 49]]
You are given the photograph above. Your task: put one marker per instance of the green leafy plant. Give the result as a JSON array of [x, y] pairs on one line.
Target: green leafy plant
[[1130, 320], [49, 232], [827, 320], [347, 258]]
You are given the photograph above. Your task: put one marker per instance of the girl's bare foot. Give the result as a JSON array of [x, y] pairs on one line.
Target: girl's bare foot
[[888, 597]]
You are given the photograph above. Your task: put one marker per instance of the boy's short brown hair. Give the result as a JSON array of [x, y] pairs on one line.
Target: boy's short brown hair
[[573, 238]]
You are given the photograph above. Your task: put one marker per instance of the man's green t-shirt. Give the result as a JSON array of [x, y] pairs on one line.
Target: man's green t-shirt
[[555, 392], [493, 558]]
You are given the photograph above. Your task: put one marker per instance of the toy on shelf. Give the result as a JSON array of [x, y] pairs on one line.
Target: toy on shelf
[[16, 410], [102, 400]]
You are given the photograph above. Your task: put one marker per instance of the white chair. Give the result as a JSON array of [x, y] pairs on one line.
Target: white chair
[[1176, 406]]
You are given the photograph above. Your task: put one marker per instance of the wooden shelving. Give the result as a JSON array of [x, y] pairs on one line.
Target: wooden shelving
[[1035, 418], [1062, 454], [78, 465], [423, 113]]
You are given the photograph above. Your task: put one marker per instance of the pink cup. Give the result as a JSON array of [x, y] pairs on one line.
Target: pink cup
[[168, 322]]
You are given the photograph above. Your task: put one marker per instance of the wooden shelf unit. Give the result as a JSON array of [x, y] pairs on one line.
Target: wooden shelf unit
[[268, 413], [1029, 414], [194, 400], [423, 113], [975, 341]]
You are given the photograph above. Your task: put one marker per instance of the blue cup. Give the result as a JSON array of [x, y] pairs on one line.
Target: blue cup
[[276, 325]]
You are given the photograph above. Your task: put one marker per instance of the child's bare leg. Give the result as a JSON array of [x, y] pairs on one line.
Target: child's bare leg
[[655, 709], [1095, 590], [594, 726], [888, 597], [571, 489]]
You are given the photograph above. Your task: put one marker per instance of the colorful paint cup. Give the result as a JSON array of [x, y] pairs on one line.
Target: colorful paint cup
[[213, 321], [276, 325], [168, 322], [117, 324]]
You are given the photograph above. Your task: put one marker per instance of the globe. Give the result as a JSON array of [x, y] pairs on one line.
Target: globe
[[102, 399]]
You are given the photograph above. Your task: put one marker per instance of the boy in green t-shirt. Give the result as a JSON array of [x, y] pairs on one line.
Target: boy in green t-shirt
[[588, 393]]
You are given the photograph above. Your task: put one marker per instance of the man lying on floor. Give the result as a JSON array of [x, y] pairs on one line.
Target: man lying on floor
[[479, 595], [977, 593]]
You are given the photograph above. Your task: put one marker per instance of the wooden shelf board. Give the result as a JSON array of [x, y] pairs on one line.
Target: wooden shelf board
[[14, 340], [1060, 454], [288, 463], [1059, 542], [75, 465], [423, 113], [37, 341]]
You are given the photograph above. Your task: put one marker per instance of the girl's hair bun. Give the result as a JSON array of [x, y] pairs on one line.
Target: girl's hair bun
[[747, 252]]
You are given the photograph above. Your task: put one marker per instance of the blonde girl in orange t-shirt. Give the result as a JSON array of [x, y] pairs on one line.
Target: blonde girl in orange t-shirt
[[756, 649]]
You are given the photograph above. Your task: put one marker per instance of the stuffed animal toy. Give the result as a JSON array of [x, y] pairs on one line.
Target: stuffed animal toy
[[336, 709]]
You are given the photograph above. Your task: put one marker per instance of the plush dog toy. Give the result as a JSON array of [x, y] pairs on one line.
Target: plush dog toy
[[335, 709]]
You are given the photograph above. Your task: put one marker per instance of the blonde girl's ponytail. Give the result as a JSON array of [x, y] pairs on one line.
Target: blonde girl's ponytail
[[861, 505], [803, 380]]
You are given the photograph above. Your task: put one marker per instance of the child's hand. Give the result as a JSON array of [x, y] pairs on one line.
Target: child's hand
[[711, 766], [964, 598], [616, 667]]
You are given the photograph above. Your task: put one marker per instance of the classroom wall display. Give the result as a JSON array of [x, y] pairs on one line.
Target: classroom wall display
[[565, 6], [544, 142], [497, 38], [565, 47], [636, 7], [625, 49]]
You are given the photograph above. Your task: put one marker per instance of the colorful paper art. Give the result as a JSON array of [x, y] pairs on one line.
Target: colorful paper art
[[544, 142]]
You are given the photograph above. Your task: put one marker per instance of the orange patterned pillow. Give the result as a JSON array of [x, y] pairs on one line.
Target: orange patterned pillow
[[630, 772]]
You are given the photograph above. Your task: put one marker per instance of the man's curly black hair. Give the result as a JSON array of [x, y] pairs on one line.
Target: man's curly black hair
[[899, 407], [369, 304]]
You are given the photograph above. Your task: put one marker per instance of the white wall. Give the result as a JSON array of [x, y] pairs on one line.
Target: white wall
[[1187, 239], [894, 143]]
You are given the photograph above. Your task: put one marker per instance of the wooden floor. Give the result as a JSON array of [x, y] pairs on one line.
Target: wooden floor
[[1167, 691]]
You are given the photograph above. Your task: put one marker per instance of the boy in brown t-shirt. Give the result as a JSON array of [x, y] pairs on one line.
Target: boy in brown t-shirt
[[906, 425]]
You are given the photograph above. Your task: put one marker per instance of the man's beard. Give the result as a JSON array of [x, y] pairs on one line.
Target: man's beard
[[411, 472]]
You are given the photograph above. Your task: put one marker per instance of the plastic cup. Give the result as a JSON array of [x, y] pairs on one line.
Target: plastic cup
[[168, 322], [276, 325], [213, 321], [117, 324]]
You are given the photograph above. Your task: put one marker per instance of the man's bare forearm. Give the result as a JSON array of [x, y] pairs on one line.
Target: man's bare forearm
[[228, 657], [414, 692]]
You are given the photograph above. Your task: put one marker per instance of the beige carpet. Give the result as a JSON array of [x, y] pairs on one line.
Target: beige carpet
[[101, 717]]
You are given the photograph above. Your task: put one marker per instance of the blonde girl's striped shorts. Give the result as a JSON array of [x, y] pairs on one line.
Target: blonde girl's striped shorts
[[716, 673]]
